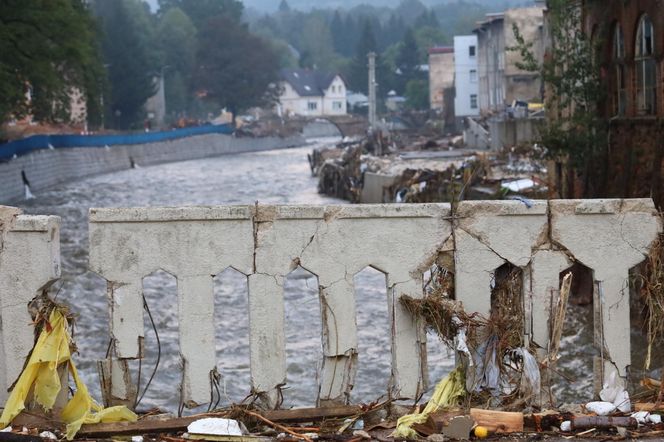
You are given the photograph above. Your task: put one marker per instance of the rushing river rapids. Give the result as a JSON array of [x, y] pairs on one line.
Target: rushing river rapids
[[268, 177]]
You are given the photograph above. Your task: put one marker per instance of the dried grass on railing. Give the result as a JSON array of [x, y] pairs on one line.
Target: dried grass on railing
[[438, 311], [652, 295], [503, 330], [507, 315]]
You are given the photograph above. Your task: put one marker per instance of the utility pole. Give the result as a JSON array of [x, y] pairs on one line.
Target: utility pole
[[372, 100], [372, 90]]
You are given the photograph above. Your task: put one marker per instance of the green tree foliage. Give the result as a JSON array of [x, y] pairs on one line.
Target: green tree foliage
[[408, 61], [572, 75], [176, 35], [131, 57], [284, 7], [417, 94], [410, 10], [358, 77], [239, 74], [200, 11], [317, 46], [50, 47]]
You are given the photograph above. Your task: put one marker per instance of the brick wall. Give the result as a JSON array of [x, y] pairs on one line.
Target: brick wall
[[633, 164]]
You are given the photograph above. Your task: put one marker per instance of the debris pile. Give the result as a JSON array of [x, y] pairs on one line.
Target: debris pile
[[415, 169], [497, 389]]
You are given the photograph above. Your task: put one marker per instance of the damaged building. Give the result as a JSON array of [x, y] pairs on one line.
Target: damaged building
[[630, 38], [501, 81]]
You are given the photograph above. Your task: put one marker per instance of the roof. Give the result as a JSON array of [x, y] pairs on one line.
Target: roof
[[441, 50], [489, 19], [306, 82]]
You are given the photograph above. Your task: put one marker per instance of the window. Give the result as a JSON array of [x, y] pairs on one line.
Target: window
[[312, 105], [620, 83], [336, 105], [334, 88], [473, 101], [471, 51], [473, 75], [646, 68]]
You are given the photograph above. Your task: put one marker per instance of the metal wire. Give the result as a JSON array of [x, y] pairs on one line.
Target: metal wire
[[214, 387], [146, 307]]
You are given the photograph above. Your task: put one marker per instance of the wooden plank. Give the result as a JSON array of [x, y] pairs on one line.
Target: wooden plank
[[498, 421], [180, 424], [140, 427], [311, 414], [648, 406]]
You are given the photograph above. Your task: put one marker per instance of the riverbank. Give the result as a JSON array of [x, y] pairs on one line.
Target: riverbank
[[45, 168]]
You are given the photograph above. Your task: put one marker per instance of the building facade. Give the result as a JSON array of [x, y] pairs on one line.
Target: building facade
[[630, 41], [311, 93], [441, 76], [466, 76], [501, 81]]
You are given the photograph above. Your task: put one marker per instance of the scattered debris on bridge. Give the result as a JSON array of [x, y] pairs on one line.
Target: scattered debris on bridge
[[493, 393]]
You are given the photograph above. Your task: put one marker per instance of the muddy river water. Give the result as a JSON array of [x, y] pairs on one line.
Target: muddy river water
[[268, 177]]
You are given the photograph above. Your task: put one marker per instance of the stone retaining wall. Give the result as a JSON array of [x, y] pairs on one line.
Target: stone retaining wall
[[46, 168]]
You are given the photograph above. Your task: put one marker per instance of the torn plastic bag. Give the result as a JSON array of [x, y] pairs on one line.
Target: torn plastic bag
[[460, 340], [530, 373], [486, 372], [51, 351], [614, 392]]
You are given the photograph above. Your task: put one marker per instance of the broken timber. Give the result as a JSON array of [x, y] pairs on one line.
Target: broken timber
[[168, 425]]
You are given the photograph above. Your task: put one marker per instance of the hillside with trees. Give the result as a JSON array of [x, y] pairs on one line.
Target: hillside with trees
[[339, 39], [211, 54]]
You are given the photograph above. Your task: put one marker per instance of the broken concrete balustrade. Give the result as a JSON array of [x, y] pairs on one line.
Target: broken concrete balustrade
[[29, 263], [336, 242], [266, 243]]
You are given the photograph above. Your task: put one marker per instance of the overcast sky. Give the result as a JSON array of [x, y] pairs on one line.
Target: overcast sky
[[153, 4]]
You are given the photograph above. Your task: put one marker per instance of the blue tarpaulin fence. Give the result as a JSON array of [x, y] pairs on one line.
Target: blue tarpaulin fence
[[37, 142]]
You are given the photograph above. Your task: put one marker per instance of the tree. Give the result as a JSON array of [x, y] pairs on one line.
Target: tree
[[358, 79], [200, 11], [409, 10], [236, 76], [572, 75], [317, 44], [408, 60], [417, 94], [132, 60], [337, 31], [177, 38], [284, 7], [49, 47]]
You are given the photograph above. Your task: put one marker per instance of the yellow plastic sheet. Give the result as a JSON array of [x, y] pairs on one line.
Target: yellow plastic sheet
[[448, 392], [51, 351]]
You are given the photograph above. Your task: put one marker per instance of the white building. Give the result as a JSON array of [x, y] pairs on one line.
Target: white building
[[311, 93], [466, 101]]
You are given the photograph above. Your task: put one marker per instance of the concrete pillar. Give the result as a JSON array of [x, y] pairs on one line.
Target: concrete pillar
[[194, 244], [488, 234], [546, 267], [610, 237], [29, 263], [339, 339]]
